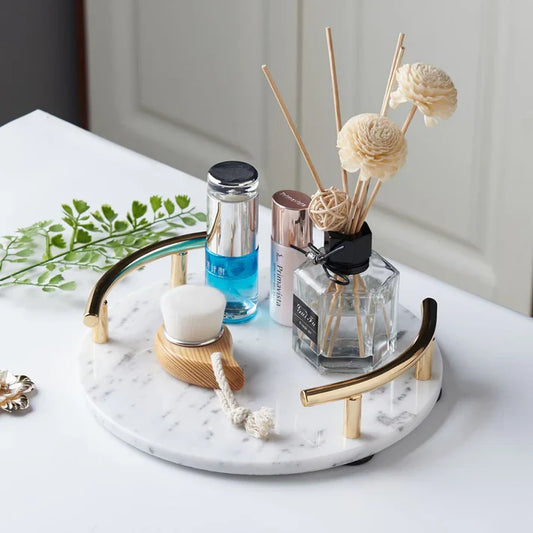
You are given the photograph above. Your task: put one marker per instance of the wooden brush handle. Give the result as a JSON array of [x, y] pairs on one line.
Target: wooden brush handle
[[193, 364]]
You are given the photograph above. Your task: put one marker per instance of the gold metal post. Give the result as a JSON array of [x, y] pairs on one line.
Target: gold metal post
[[424, 364], [101, 330], [352, 417], [178, 269]]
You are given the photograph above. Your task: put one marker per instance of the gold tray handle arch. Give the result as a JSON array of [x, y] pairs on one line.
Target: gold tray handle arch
[[95, 315], [419, 355]]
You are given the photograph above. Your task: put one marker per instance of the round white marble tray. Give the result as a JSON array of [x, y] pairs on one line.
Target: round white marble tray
[[135, 399]]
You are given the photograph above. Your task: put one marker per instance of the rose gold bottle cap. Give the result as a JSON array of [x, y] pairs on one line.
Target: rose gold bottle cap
[[290, 222]]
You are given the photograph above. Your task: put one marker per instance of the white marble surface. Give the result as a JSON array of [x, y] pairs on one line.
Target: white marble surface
[[467, 468], [133, 397]]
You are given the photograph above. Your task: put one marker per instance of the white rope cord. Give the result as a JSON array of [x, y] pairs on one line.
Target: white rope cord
[[257, 423]]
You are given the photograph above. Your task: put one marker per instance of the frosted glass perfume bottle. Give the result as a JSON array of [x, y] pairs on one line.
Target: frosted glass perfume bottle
[[231, 248], [345, 310]]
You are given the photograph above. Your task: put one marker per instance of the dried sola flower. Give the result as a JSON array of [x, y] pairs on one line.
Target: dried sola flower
[[427, 87], [372, 143], [329, 210]]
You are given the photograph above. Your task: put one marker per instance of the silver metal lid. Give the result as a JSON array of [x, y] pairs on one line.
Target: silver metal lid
[[232, 209]]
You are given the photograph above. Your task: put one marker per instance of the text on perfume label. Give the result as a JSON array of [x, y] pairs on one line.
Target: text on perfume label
[[305, 319]]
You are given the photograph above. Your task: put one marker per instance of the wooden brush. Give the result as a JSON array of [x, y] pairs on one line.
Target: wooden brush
[[191, 333]]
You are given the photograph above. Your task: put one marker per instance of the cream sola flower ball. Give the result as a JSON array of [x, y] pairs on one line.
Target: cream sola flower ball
[[372, 143], [427, 87]]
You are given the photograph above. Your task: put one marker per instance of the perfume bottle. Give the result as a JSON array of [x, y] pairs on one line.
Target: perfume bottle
[[231, 247], [345, 305], [291, 226]]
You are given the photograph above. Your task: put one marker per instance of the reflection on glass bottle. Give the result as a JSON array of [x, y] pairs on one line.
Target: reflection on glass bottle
[[231, 249]]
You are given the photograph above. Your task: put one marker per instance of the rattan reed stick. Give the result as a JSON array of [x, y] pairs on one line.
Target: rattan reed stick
[[397, 66], [332, 306], [355, 197], [360, 204], [292, 126], [357, 302], [409, 118], [393, 67], [364, 214], [338, 316], [390, 85], [336, 103], [386, 322]]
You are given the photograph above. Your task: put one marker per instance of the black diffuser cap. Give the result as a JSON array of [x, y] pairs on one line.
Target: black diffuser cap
[[233, 173], [354, 254]]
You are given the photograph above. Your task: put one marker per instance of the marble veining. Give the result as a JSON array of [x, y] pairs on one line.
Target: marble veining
[[134, 398]]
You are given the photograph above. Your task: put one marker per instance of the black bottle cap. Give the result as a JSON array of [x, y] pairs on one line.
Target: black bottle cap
[[233, 173], [354, 254]]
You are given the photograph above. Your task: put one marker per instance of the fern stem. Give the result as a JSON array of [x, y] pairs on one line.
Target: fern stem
[[47, 247], [73, 236], [81, 248], [6, 250], [30, 283]]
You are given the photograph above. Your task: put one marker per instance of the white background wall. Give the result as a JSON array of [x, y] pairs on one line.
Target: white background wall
[[181, 82]]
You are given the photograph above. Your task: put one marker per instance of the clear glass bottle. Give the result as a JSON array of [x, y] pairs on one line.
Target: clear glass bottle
[[231, 249], [346, 327]]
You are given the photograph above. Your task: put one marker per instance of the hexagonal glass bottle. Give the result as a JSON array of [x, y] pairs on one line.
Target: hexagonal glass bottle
[[345, 308]]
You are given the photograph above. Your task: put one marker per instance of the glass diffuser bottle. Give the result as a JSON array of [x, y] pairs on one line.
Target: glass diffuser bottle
[[345, 305]]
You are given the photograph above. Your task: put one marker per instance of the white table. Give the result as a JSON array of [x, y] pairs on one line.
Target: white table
[[468, 467]]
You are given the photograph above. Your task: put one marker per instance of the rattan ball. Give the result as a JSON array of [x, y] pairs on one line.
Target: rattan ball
[[330, 209]]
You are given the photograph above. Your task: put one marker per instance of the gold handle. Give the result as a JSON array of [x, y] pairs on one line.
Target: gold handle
[[96, 310], [420, 353]]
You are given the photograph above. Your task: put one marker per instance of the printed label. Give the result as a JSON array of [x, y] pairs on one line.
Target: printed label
[[304, 319]]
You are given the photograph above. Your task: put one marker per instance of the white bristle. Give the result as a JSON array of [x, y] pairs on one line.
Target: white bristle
[[193, 313]]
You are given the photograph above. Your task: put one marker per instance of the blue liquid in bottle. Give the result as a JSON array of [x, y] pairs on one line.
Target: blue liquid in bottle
[[236, 277]]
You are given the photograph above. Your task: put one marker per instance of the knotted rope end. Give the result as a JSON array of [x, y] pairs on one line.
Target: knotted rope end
[[259, 423]]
